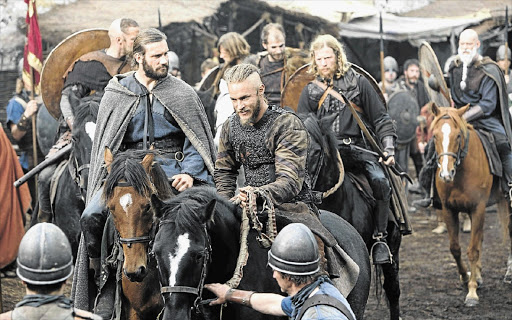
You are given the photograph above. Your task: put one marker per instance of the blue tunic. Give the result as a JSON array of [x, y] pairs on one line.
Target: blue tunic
[[14, 112], [192, 163], [487, 98], [320, 312]]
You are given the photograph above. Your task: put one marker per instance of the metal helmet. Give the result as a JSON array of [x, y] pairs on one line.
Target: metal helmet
[[44, 255], [500, 54], [295, 251], [390, 64], [174, 61]]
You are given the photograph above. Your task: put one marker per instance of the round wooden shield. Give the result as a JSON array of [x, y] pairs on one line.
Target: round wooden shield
[[293, 88], [404, 110], [291, 91], [431, 71], [61, 58]]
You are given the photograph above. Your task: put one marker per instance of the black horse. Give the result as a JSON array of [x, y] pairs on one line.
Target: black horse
[[198, 242], [71, 185], [352, 201]]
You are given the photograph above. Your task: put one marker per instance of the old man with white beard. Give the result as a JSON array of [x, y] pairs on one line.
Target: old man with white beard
[[478, 81]]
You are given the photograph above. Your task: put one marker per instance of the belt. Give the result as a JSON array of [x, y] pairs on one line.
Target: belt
[[167, 146], [350, 140]]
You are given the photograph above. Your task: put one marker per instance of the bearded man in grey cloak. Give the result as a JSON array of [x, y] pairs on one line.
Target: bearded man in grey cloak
[[140, 109], [478, 81]]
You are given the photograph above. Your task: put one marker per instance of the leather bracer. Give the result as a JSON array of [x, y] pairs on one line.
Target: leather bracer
[[473, 113], [389, 145], [239, 296]]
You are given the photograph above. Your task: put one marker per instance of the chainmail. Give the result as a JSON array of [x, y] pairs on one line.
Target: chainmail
[[249, 144]]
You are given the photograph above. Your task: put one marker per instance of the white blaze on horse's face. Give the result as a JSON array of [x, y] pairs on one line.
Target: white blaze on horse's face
[[446, 130], [90, 128], [126, 201], [181, 250]]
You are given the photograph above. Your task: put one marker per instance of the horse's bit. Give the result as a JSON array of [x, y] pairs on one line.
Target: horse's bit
[[192, 290]]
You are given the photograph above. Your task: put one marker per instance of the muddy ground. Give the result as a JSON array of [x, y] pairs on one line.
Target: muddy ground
[[429, 280]]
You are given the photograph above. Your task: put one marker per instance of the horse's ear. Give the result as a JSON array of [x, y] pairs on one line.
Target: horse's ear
[[462, 110], [157, 205], [209, 210], [147, 162], [107, 155], [434, 108]]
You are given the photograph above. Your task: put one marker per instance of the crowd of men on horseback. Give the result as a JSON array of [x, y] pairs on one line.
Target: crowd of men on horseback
[[260, 153]]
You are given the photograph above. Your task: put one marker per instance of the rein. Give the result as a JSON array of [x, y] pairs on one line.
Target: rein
[[265, 239], [75, 169], [341, 177]]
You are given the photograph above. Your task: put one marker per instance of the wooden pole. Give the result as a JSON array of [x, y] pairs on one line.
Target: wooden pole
[[34, 129], [382, 75], [506, 38]]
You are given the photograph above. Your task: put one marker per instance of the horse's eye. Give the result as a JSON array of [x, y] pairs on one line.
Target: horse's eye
[[198, 257]]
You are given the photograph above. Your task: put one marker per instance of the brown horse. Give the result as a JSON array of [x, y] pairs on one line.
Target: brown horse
[[128, 189], [465, 184]]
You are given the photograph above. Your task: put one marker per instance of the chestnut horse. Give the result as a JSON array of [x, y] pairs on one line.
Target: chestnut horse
[[464, 183], [127, 191]]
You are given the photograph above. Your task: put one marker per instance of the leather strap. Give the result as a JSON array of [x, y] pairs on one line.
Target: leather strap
[[353, 108], [322, 98], [334, 93], [323, 299]]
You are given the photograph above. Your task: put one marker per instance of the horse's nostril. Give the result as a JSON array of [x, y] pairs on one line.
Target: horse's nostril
[[142, 271]]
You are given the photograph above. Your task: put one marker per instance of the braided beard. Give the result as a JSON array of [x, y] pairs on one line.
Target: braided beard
[[466, 59]]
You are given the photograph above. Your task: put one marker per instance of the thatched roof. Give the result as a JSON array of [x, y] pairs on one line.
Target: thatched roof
[[63, 20]]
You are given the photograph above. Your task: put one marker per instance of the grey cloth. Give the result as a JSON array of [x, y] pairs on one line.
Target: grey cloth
[[117, 107]]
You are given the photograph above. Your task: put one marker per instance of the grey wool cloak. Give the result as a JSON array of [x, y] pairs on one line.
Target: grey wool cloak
[[117, 108]]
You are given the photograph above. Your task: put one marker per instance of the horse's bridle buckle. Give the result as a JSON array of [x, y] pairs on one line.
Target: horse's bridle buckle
[[347, 141]]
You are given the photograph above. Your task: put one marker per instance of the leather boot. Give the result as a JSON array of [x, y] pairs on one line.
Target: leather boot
[[380, 251]]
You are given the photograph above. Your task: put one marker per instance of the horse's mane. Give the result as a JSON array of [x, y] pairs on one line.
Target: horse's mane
[[127, 167], [85, 113], [452, 114], [321, 132], [190, 206]]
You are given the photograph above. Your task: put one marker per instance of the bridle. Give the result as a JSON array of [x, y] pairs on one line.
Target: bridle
[[75, 169], [140, 239], [462, 151], [198, 291]]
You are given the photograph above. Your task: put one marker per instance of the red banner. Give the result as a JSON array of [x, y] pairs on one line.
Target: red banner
[[33, 55]]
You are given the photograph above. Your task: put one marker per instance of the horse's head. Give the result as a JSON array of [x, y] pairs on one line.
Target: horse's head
[[182, 248], [83, 136], [450, 134], [323, 166], [132, 179]]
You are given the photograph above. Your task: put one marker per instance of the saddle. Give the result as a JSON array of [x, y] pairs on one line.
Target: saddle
[[491, 151], [427, 173]]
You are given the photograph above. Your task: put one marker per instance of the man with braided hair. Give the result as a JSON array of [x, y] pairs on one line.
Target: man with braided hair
[[332, 70], [271, 145], [479, 82]]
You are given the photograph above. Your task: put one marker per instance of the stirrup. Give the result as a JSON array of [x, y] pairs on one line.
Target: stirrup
[[380, 253]]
